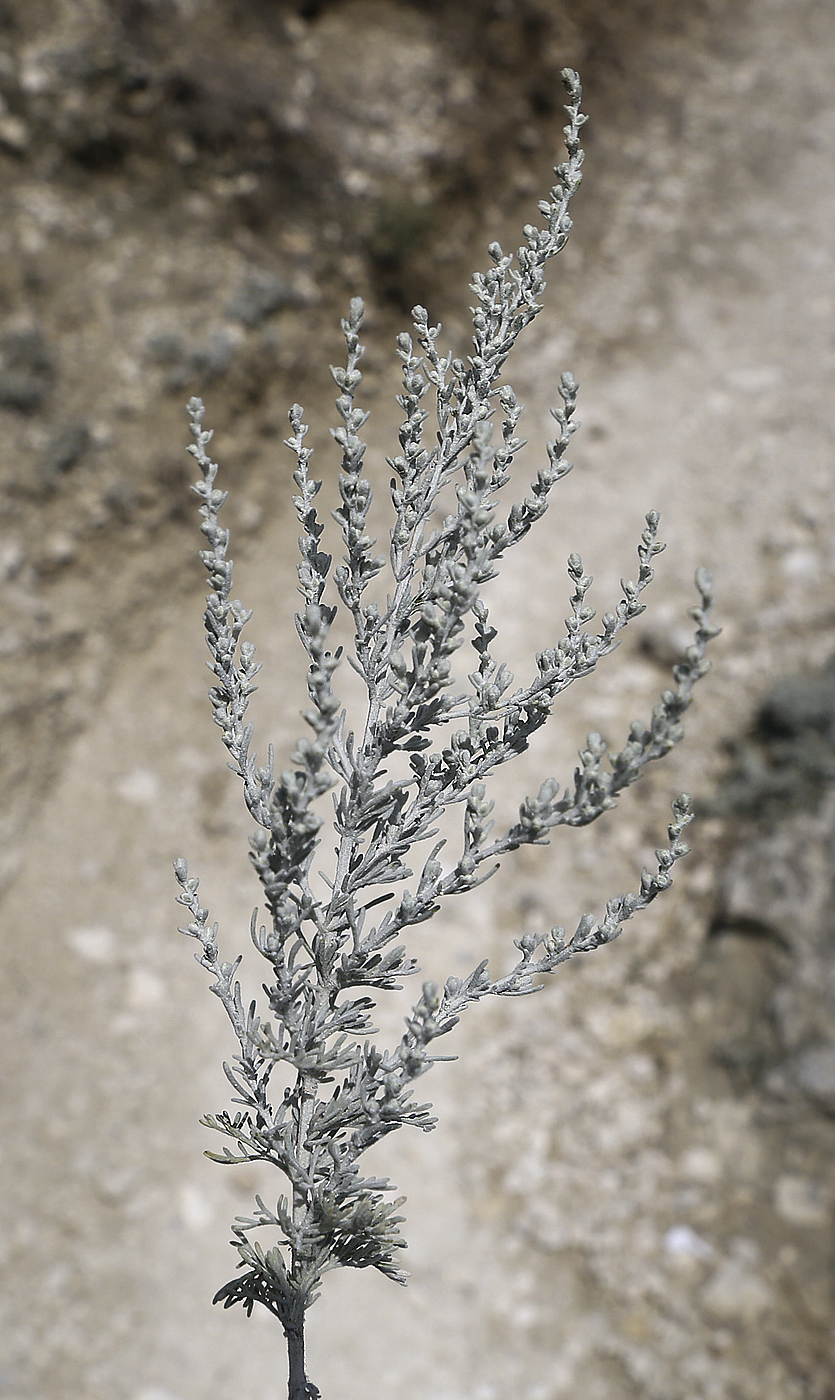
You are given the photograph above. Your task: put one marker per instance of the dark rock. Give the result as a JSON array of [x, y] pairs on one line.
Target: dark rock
[[67, 449], [788, 759], [814, 1072], [740, 975], [167, 349], [213, 359], [259, 296], [779, 882], [26, 370], [20, 392]]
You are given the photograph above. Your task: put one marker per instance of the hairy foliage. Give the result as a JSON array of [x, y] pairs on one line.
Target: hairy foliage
[[330, 957]]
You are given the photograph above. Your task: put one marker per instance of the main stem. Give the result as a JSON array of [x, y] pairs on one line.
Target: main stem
[[298, 1386]]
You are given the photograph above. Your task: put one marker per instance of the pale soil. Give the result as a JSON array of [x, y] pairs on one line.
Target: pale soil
[[630, 1191]]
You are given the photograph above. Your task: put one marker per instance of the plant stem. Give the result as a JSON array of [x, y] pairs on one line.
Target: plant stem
[[298, 1386]]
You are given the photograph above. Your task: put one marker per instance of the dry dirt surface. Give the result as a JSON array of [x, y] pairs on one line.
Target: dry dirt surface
[[630, 1192]]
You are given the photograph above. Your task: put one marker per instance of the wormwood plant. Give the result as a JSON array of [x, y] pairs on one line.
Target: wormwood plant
[[330, 955]]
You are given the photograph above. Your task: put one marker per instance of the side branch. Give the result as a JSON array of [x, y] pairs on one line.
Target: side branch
[[224, 620]]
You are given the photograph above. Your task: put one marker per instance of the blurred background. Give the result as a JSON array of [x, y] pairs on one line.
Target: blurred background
[[630, 1191]]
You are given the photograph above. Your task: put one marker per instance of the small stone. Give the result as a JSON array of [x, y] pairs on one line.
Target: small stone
[[621, 1027], [141, 786], [95, 944], [700, 1164], [801, 1201], [195, 1207], [153, 1392], [666, 636], [145, 989], [101, 434], [681, 1241], [182, 148], [735, 1294], [11, 558], [14, 134], [249, 514], [801, 563], [59, 550]]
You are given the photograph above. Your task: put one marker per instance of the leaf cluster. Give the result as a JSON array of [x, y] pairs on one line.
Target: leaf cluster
[[330, 956]]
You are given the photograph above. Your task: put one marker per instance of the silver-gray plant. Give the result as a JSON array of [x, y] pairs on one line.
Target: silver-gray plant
[[341, 1093]]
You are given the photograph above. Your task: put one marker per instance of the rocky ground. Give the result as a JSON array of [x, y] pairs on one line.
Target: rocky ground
[[630, 1192]]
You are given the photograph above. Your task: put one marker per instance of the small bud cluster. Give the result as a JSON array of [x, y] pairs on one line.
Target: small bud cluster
[[328, 957]]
